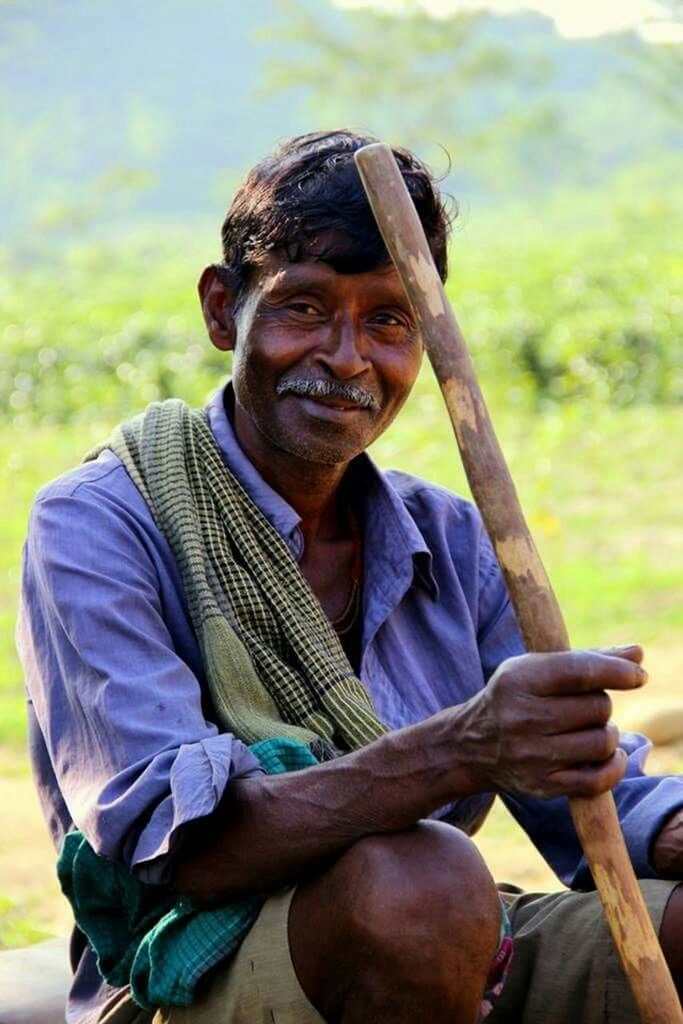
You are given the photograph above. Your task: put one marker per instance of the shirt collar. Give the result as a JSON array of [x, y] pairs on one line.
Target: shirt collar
[[393, 533], [389, 529], [277, 511]]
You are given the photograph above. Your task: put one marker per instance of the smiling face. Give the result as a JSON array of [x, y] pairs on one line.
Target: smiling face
[[323, 361]]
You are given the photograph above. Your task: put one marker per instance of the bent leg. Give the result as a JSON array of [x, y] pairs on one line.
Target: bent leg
[[671, 937], [401, 927], [259, 984], [566, 967]]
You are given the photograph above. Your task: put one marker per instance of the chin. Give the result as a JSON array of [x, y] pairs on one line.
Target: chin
[[327, 452], [324, 455]]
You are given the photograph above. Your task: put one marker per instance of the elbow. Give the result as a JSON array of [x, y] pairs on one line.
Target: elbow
[[196, 882], [190, 881]]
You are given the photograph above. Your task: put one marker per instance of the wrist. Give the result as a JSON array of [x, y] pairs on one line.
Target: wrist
[[462, 753], [432, 763]]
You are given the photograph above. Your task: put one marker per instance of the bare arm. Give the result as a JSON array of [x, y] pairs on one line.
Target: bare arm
[[271, 829], [540, 727]]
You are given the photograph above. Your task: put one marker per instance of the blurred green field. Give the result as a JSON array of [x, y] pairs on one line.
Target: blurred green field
[[576, 331], [581, 304]]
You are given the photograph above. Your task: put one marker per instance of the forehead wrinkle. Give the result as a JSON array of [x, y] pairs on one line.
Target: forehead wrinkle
[[316, 273]]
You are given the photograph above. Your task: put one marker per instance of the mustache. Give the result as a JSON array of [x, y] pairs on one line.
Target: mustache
[[316, 387]]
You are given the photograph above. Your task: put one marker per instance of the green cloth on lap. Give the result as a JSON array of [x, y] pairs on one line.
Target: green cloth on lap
[[145, 935]]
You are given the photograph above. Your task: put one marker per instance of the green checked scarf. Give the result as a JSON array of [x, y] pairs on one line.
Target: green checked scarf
[[277, 674], [274, 664], [145, 936]]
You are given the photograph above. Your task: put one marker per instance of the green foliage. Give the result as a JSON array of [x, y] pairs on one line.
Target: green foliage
[[591, 314], [352, 66], [17, 928], [566, 311], [517, 107], [658, 70], [110, 329]]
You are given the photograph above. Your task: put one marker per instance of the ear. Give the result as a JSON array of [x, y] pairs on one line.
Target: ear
[[217, 300]]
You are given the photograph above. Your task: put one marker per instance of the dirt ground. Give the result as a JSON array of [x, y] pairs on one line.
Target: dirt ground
[[27, 859], [31, 904]]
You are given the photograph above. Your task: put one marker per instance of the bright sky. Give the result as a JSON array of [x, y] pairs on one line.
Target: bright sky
[[572, 18]]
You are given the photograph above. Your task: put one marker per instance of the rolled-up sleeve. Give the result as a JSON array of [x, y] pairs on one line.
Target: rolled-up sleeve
[[644, 803], [119, 710]]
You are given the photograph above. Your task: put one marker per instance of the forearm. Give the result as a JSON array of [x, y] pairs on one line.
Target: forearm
[[513, 736], [270, 830]]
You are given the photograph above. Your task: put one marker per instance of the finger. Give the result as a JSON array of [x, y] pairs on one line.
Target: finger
[[576, 672], [630, 652], [589, 780], [589, 746], [570, 714]]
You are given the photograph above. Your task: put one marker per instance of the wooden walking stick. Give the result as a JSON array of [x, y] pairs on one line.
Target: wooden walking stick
[[536, 608]]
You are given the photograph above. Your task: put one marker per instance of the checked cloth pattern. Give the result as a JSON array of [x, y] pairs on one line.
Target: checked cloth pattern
[[274, 664], [277, 674], [144, 935]]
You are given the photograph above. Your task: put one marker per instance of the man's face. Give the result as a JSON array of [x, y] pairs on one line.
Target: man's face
[[323, 361]]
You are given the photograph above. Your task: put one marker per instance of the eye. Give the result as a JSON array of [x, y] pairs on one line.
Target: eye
[[385, 318], [304, 308]]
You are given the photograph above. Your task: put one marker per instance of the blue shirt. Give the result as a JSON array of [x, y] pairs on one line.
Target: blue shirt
[[121, 734]]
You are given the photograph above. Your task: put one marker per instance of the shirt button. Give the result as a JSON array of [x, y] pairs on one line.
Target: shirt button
[[296, 543]]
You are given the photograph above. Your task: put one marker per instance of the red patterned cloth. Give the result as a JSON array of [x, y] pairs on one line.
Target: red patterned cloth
[[500, 965]]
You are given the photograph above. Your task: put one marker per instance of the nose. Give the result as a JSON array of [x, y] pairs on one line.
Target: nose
[[343, 353]]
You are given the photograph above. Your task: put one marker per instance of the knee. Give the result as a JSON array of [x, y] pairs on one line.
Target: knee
[[419, 892], [399, 921]]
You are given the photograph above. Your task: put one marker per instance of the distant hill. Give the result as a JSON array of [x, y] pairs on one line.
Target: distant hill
[[112, 111]]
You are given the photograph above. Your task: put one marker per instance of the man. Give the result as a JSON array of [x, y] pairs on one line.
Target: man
[[374, 910]]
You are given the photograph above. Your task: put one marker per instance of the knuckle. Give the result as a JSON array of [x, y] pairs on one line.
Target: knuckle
[[586, 665], [600, 780], [562, 783], [600, 745], [497, 684], [509, 721], [508, 671], [602, 706], [620, 763], [608, 742]]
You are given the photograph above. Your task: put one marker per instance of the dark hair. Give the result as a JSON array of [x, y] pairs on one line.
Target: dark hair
[[306, 199]]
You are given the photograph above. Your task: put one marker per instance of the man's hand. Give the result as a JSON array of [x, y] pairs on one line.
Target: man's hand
[[542, 725], [667, 851]]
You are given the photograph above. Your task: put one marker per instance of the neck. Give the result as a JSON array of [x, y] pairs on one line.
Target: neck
[[313, 489]]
